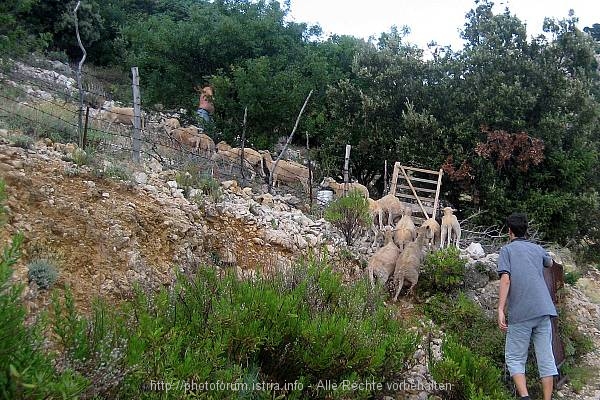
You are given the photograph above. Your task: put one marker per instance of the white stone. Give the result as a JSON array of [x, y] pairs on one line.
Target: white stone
[[140, 178], [475, 251], [172, 184]]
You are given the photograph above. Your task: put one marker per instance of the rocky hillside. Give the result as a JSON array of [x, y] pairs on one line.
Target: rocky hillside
[[108, 232], [107, 235]]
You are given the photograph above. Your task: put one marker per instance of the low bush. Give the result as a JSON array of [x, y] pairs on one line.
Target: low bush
[[349, 214], [443, 271], [43, 272], [462, 317], [302, 327], [22, 141], [571, 278], [26, 372], [467, 375]]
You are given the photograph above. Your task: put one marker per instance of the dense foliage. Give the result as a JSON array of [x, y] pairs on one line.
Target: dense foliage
[[303, 333], [349, 214], [536, 99]]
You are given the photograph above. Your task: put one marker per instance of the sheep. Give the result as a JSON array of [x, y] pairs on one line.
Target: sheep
[[405, 229], [449, 225], [338, 188], [122, 115], [391, 206], [231, 155], [433, 233], [190, 136], [376, 219], [382, 264], [206, 144], [223, 146], [287, 171], [409, 262], [169, 124]]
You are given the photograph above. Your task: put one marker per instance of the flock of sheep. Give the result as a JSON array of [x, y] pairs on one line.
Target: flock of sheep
[[405, 245], [192, 138]]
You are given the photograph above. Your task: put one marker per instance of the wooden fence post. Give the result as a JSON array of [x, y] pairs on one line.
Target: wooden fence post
[[310, 194], [136, 140], [242, 153], [85, 128], [346, 162], [385, 182], [79, 83]]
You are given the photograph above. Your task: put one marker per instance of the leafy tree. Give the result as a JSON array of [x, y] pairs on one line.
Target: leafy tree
[[594, 31], [350, 214], [15, 38], [55, 18]]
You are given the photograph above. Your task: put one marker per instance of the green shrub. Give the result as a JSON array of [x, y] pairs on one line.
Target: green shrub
[[25, 371], [192, 178], [81, 157], [211, 188], [443, 271], [578, 376], [470, 376], [43, 272], [462, 317], [22, 141], [116, 171], [349, 214], [575, 343], [94, 347], [304, 326], [571, 278]]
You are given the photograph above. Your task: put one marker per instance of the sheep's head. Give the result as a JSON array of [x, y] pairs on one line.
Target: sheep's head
[[422, 235], [223, 146], [388, 234], [266, 155], [327, 181], [448, 210]]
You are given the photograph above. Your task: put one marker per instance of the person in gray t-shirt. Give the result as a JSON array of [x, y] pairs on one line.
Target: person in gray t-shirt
[[522, 286]]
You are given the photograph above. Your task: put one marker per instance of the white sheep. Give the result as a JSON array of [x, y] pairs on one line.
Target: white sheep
[[206, 144], [231, 155], [404, 232], [391, 207], [287, 171], [450, 225], [382, 264], [409, 262], [121, 115], [376, 215], [188, 136], [338, 188], [169, 124], [433, 233]]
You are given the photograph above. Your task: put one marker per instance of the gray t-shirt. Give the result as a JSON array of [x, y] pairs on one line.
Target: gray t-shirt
[[528, 295]]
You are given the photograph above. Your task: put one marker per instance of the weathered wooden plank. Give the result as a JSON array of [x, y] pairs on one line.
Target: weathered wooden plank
[[417, 188]]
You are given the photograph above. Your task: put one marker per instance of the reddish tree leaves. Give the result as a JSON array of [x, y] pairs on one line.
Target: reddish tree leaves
[[511, 149]]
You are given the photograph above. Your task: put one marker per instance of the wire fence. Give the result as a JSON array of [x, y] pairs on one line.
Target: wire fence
[[38, 109]]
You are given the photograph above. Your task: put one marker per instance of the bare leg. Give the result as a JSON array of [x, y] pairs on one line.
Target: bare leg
[[400, 284], [519, 380], [547, 386]]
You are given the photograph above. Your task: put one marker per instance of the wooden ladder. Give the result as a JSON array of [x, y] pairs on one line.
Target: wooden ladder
[[418, 188]]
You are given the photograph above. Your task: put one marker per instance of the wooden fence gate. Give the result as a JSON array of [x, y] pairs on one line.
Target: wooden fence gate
[[419, 188]]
